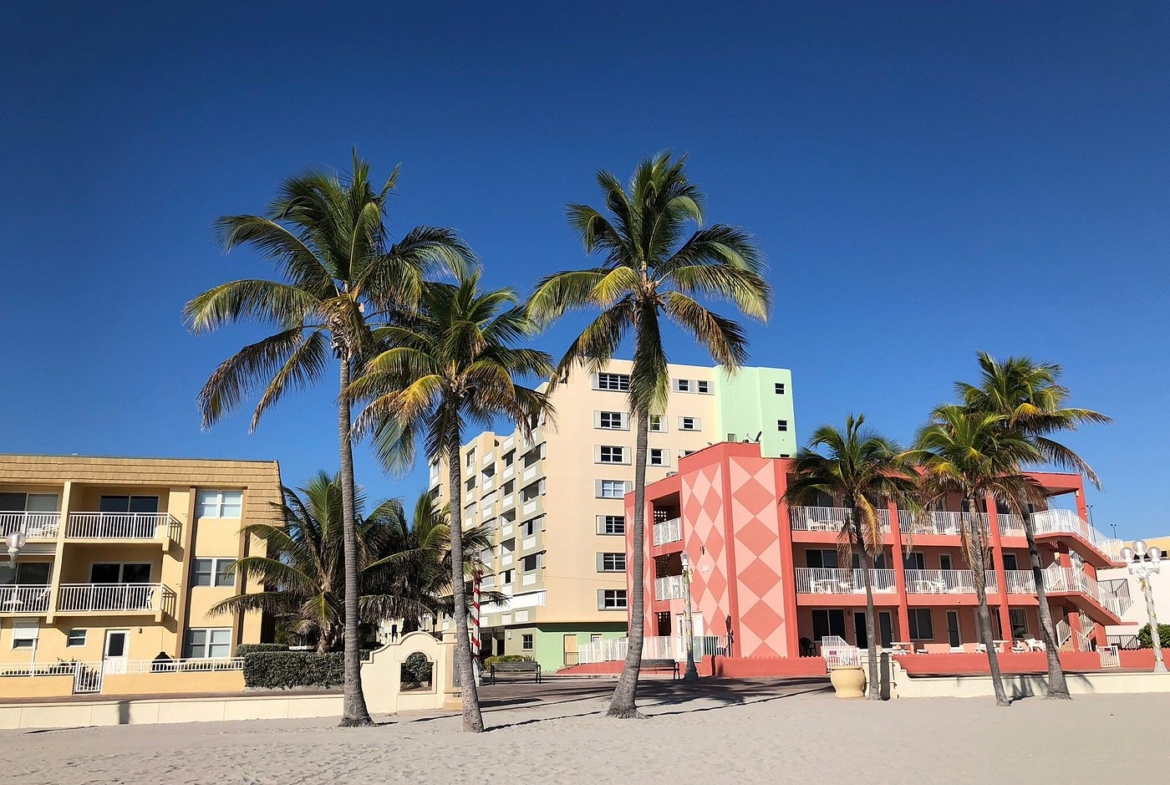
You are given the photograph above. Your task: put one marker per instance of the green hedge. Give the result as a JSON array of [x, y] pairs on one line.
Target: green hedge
[[416, 669], [490, 661], [1147, 641], [244, 649], [284, 669]]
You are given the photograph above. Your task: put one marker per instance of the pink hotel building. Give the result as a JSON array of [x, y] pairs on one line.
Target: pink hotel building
[[770, 575]]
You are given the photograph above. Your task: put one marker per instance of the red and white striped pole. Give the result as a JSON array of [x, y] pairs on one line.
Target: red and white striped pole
[[475, 639]]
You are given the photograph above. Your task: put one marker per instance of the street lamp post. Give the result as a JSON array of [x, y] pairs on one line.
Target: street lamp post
[[1143, 562], [692, 673]]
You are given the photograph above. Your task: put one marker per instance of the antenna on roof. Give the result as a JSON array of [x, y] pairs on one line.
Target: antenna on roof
[[758, 435]]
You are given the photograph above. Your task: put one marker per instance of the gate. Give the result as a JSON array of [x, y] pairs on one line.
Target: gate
[[87, 679]]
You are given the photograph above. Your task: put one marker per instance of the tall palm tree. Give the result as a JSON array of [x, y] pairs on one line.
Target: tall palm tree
[[327, 236], [1032, 401], [864, 471], [648, 269], [973, 457], [456, 361], [403, 564]]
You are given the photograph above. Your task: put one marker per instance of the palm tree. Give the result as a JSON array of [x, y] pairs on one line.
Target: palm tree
[[327, 236], [973, 457], [454, 362], [864, 471], [403, 566], [1032, 401], [648, 269]]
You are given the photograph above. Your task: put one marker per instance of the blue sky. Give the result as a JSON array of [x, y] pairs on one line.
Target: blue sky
[[926, 180]]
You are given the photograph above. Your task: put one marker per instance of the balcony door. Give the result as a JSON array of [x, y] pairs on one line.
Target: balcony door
[[885, 629], [128, 504], [119, 573], [114, 656]]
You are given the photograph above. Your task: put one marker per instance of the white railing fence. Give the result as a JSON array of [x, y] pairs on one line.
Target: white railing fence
[[653, 648], [838, 652], [111, 596], [121, 526], [668, 531], [1110, 656], [24, 599], [938, 522], [1067, 521], [941, 582], [826, 580], [669, 588], [34, 525], [827, 518]]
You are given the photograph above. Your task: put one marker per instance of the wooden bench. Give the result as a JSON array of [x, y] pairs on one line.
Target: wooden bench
[[515, 667], [658, 665]]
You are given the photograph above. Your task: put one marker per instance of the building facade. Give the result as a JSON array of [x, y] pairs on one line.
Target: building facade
[[555, 503], [123, 558], [770, 576], [1136, 616]]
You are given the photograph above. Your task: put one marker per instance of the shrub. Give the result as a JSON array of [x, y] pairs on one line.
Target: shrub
[[283, 669], [244, 649], [416, 669], [490, 661], [1146, 640]]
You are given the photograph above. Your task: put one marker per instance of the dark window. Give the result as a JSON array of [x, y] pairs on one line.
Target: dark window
[[779, 388], [1009, 563], [782, 426], [526, 642], [921, 627], [826, 559], [128, 504], [828, 622], [914, 561]]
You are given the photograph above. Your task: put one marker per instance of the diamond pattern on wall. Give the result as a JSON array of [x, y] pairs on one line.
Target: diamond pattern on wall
[[703, 526], [754, 521]]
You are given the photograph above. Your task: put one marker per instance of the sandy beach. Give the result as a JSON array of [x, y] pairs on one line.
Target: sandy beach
[[743, 732]]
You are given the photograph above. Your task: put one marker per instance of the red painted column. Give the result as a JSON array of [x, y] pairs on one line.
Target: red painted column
[[1005, 616], [787, 561], [900, 575]]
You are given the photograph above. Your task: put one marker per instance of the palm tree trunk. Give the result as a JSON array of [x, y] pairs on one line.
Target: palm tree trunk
[[472, 716], [874, 692], [354, 712], [1057, 687], [979, 577], [623, 704]]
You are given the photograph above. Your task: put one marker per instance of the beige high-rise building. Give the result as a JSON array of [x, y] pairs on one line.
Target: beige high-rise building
[[555, 503]]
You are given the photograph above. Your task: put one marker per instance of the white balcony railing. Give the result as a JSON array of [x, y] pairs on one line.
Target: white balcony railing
[[668, 531], [529, 507], [826, 580], [75, 597], [1068, 522], [941, 582], [1010, 525], [1020, 582], [654, 647], [827, 519], [24, 599], [34, 525], [671, 587], [121, 526], [528, 579], [936, 522], [507, 559]]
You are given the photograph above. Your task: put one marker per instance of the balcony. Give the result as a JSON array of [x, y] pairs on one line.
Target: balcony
[[668, 531], [1020, 582], [830, 580], [1067, 522], [24, 599], [1064, 580], [937, 522], [946, 581], [1010, 525], [140, 526], [115, 598], [34, 525], [827, 519], [671, 587]]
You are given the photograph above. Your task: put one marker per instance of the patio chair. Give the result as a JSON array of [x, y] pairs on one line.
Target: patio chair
[[807, 649]]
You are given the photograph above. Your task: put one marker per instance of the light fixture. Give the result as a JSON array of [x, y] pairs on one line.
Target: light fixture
[[15, 542], [686, 560]]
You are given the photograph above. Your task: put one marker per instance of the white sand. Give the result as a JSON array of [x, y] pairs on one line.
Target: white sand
[[758, 734]]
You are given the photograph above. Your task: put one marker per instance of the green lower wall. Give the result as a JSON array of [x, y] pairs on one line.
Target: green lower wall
[[548, 644]]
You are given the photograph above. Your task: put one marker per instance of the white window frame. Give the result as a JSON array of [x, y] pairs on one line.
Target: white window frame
[[682, 385], [601, 417], [206, 648], [21, 637], [604, 524], [215, 572], [611, 382], [608, 561], [696, 424], [612, 454], [69, 637], [221, 503], [703, 387], [663, 457], [657, 423], [622, 487], [613, 599]]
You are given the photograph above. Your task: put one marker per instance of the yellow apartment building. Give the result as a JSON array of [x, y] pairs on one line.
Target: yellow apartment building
[[555, 503], [114, 563]]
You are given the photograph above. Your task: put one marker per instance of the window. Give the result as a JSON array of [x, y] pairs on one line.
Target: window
[[688, 423], [657, 423], [205, 643], [1009, 563], [506, 576], [119, 573], [1019, 621], [469, 461], [611, 600], [610, 454], [529, 528], [28, 573], [611, 524], [779, 388], [220, 504], [611, 489], [618, 382], [921, 628], [25, 633], [526, 642], [611, 421], [782, 426], [682, 385], [703, 387], [76, 638], [213, 572], [611, 562], [823, 559], [828, 622], [28, 502], [659, 457], [530, 563], [128, 504], [914, 561]]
